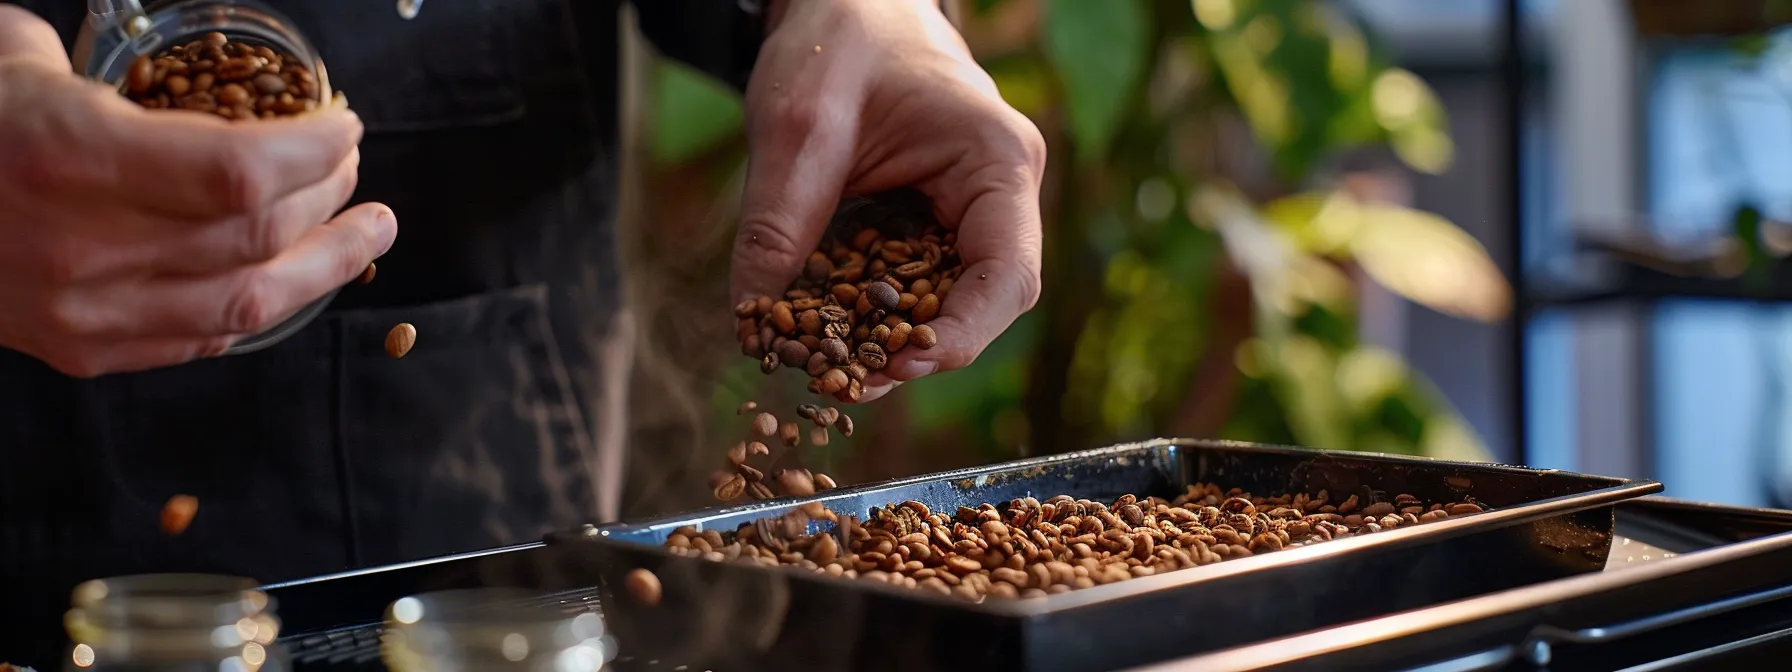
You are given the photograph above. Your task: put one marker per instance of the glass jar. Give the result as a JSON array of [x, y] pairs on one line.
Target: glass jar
[[173, 623], [491, 629], [118, 31]]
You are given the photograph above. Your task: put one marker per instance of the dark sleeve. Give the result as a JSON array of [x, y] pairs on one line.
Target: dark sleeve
[[720, 37]]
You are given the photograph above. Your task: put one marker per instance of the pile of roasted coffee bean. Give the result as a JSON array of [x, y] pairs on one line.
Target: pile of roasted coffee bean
[[1029, 548], [879, 276], [742, 478], [234, 80]]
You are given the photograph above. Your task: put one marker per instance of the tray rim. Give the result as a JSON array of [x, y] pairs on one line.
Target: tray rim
[[1616, 490], [1382, 630]]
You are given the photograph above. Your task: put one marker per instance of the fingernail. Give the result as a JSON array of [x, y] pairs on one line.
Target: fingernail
[[914, 368], [387, 225]]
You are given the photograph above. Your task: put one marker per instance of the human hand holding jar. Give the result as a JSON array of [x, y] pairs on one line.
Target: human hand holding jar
[[139, 238]]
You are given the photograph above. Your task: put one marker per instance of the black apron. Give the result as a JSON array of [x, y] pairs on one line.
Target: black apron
[[491, 129]]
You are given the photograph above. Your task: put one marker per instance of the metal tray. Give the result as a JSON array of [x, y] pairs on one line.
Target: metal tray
[[1722, 600], [1544, 525]]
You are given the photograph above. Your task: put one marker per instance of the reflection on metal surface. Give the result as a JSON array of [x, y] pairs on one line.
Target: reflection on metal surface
[[1627, 552]]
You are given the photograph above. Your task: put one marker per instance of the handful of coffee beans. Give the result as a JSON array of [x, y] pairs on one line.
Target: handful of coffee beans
[[232, 79], [1030, 548], [880, 275]]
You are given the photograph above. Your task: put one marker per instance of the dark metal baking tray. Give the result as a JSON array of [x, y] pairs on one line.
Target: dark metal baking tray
[[1722, 600], [1544, 525]]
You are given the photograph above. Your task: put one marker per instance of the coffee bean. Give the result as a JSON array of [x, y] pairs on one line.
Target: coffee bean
[[178, 513], [726, 487], [846, 294], [1463, 509], [755, 449], [738, 453], [759, 491], [747, 309], [818, 364], [367, 274], [793, 353], [141, 76], [834, 381], [836, 351], [269, 83], [826, 416], [824, 482], [765, 424], [923, 337], [747, 471], [796, 483], [844, 424], [856, 371], [782, 318], [768, 363], [818, 436], [400, 340], [787, 433], [883, 296], [899, 336], [643, 586], [872, 356], [927, 308], [744, 407]]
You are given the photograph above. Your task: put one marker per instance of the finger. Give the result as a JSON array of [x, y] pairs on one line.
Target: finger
[[201, 166], [800, 153], [139, 355], [252, 299], [257, 237], [1000, 241], [25, 35]]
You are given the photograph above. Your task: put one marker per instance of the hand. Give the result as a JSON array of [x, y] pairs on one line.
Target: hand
[[139, 238], [891, 99]]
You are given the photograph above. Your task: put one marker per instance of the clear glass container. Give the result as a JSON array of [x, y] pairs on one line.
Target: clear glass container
[[118, 31], [173, 623], [491, 629]]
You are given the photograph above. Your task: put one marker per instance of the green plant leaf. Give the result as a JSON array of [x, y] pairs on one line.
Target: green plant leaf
[[1424, 257], [1099, 51], [692, 113]]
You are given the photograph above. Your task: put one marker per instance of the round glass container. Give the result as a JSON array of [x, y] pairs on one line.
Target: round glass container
[[118, 31], [173, 623], [491, 629]]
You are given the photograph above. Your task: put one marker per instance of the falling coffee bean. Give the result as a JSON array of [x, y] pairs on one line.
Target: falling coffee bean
[[178, 513], [745, 407], [738, 453], [400, 340], [727, 487], [844, 424], [824, 482], [643, 586], [796, 483], [765, 424], [755, 449], [759, 491], [788, 434], [818, 436], [367, 275]]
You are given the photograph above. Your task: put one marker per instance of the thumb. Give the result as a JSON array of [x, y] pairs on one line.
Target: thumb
[[25, 35], [799, 152]]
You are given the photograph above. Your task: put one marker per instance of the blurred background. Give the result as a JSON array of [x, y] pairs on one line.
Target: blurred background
[[1531, 231]]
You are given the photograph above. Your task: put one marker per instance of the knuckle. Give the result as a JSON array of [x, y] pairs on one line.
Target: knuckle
[[238, 178], [258, 238], [793, 115], [763, 241], [65, 316], [249, 306]]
